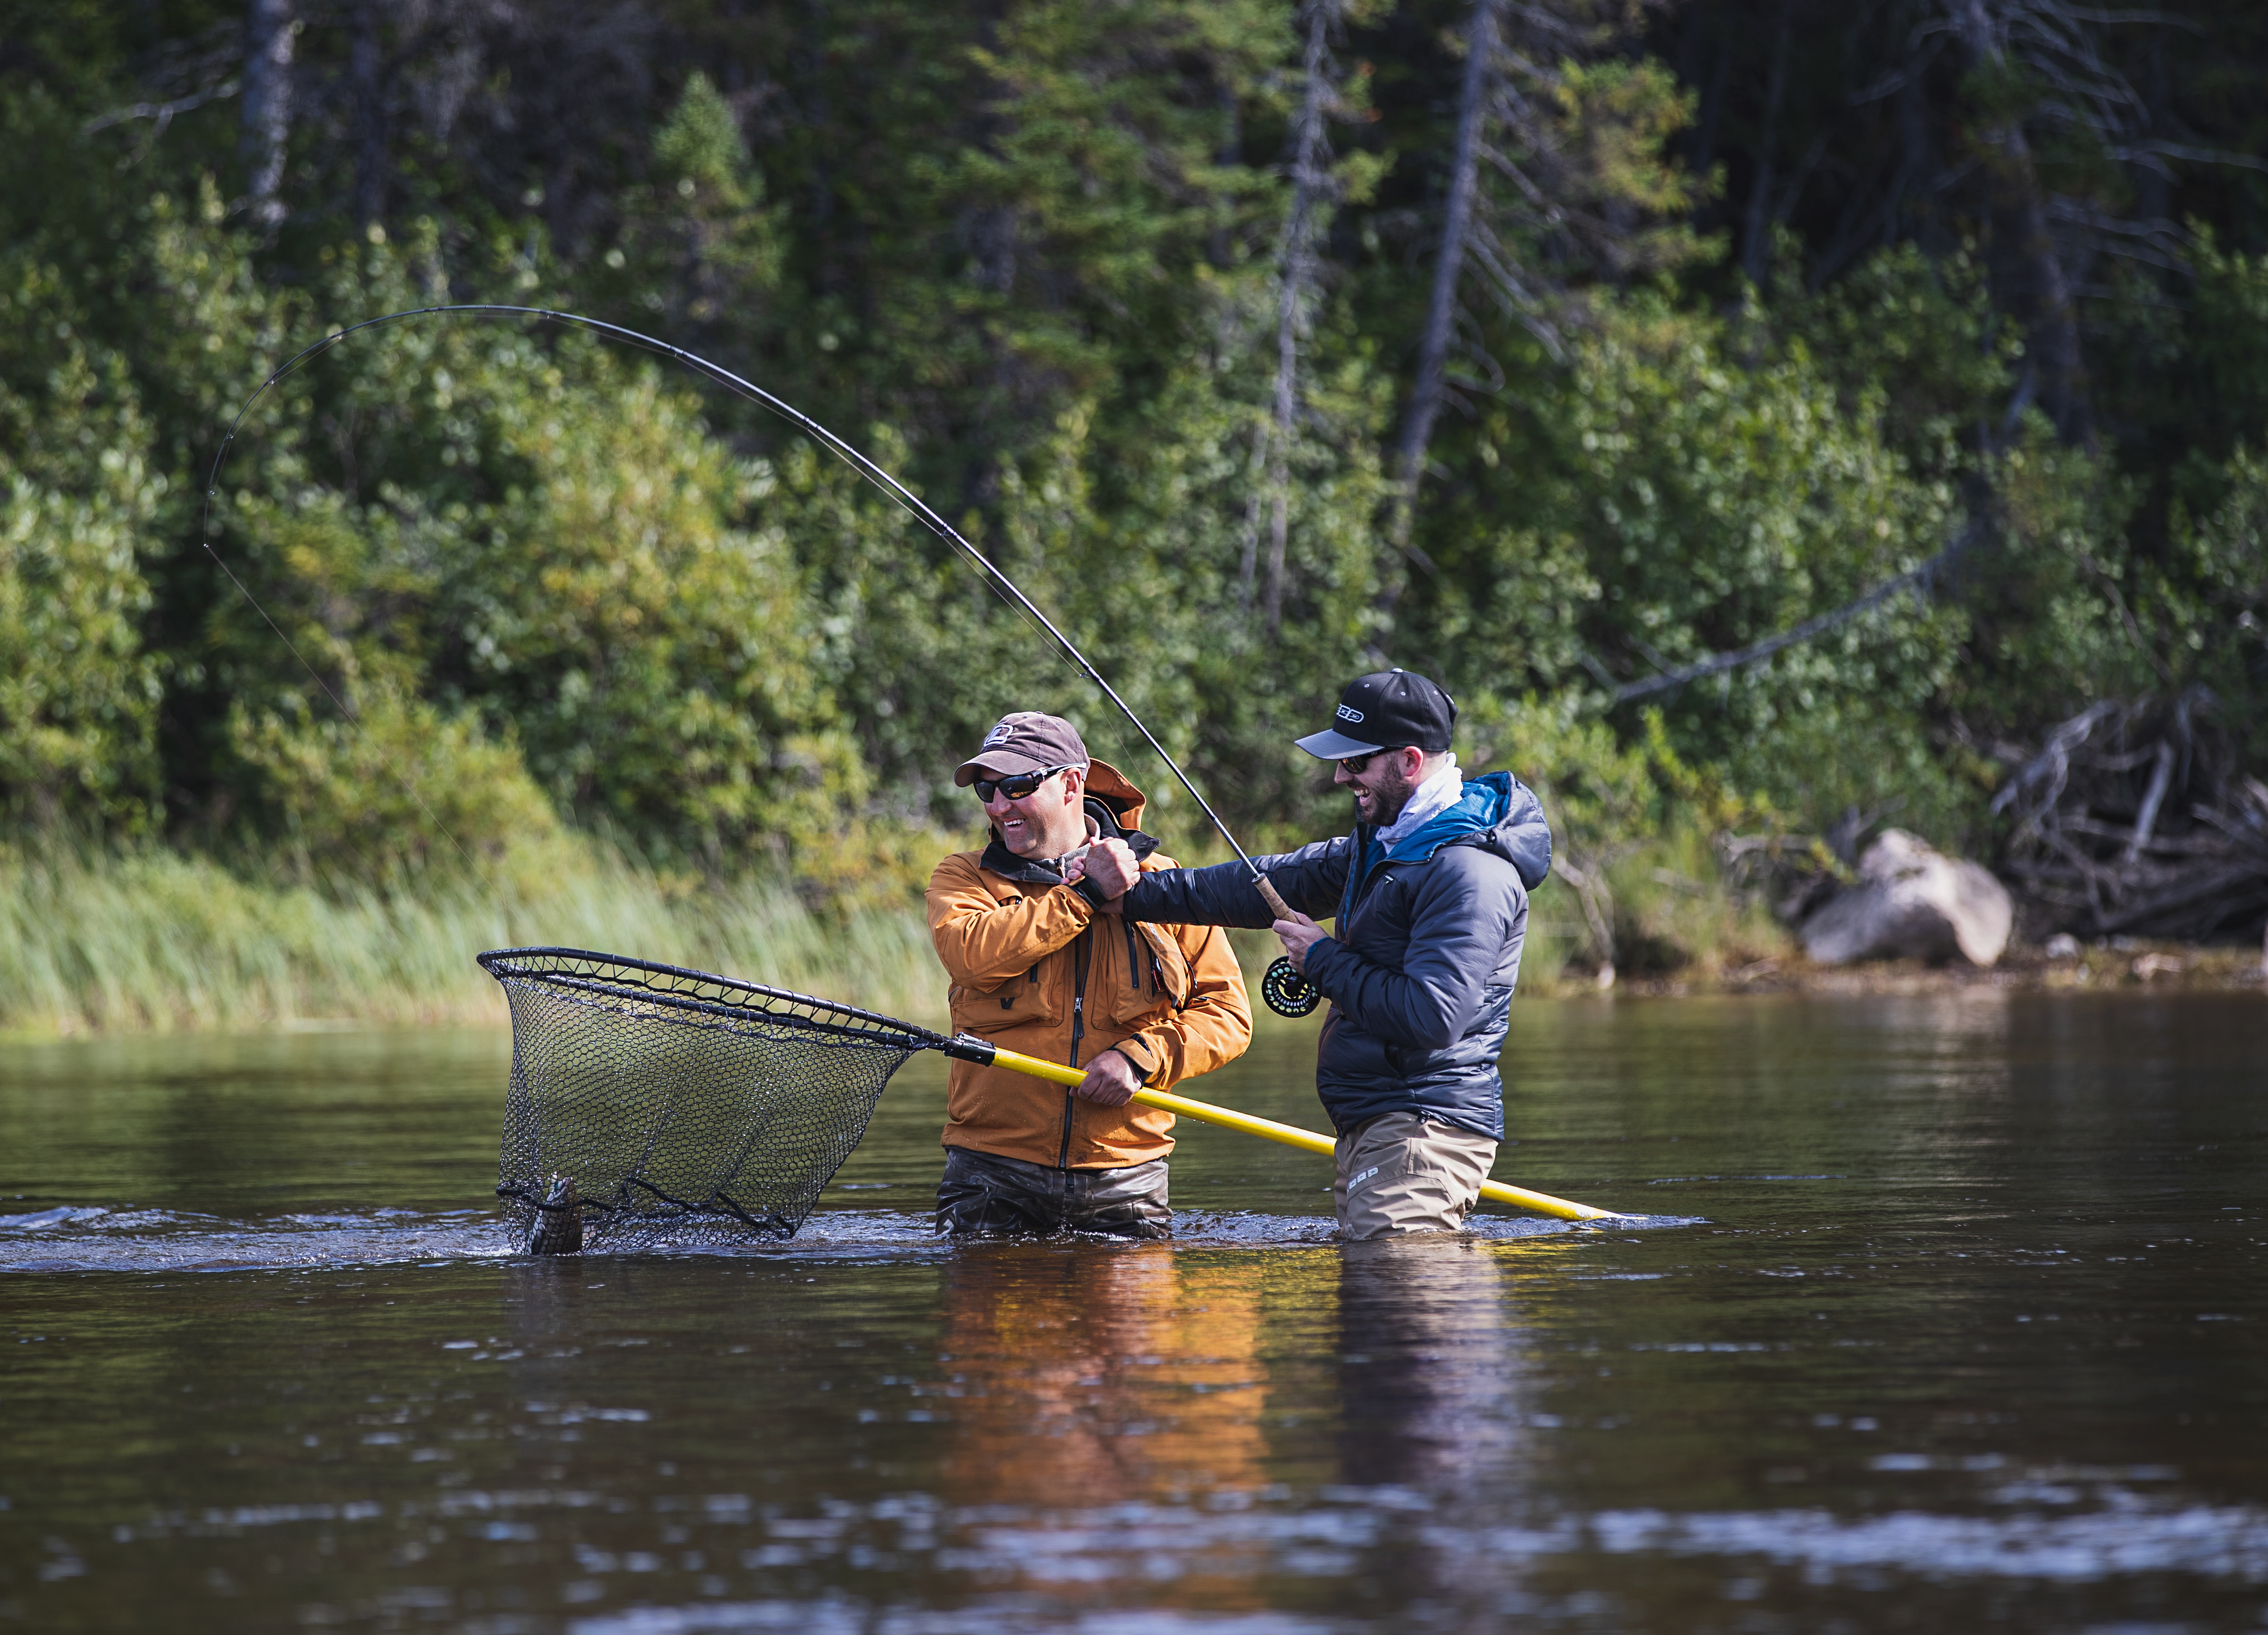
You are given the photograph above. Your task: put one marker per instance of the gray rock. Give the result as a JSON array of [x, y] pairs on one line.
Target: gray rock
[[2063, 946], [1913, 902]]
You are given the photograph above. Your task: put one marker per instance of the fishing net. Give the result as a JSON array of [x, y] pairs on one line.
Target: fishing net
[[681, 1104]]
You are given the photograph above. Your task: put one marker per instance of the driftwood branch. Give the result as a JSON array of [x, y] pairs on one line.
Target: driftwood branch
[[162, 113], [1919, 579]]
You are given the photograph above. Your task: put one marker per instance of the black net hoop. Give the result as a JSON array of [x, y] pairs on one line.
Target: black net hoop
[[682, 1104]]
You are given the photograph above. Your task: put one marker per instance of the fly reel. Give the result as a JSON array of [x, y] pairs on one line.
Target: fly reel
[[1288, 993]]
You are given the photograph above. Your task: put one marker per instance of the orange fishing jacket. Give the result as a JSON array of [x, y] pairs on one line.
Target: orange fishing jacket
[[1035, 967]]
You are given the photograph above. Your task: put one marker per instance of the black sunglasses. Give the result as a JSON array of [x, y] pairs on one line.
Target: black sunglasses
[[1015, 787], [1354, 764]]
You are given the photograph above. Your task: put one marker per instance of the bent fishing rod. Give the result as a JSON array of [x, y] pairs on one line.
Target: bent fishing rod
[[1282, 986], [1287, 992]]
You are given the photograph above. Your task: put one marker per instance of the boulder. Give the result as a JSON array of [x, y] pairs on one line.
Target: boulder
[[1913, 902]]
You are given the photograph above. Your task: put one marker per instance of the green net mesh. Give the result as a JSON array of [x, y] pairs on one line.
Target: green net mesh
[[681, 1104]]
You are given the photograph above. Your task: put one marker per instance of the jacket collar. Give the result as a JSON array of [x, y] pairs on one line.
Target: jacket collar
[[1478, 810], [1102, 824], [1490, 807]]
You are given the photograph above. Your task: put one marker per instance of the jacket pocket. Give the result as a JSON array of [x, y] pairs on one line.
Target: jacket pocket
[[1166, 978], [1012, 1004]]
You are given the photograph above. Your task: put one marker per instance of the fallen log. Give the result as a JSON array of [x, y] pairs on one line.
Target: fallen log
[[2136, 818]]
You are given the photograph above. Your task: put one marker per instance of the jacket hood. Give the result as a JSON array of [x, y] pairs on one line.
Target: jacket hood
[[1497, 813], [1112, 787], [1113, 811]]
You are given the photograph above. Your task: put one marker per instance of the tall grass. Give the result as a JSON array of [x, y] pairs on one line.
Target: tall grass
[[155, 940]]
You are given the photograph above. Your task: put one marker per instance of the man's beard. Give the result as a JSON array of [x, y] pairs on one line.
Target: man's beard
[[1387, 801]]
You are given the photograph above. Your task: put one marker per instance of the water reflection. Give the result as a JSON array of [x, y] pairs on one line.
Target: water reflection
[[1125, 1416], [1428, 1384], [1432, 1427], [1972, 1333], [1085, 1376]]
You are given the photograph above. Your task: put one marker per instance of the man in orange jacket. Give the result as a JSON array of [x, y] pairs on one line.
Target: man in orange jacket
[[1037, 968]]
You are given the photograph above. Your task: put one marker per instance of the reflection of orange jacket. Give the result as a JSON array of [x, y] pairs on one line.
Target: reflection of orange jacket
[[1097, 1379], [1169, 998]]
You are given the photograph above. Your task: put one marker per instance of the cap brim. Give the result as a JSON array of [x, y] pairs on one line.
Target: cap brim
[[1000, 762], [1331, 745]]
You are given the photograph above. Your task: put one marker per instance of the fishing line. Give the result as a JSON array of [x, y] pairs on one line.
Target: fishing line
[[849, 454]]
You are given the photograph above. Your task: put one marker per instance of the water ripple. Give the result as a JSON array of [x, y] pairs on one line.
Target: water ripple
[[91, 1238]]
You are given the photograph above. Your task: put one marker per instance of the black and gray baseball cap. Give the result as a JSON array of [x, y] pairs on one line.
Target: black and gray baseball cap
[[1026, 741], [1386, 709]]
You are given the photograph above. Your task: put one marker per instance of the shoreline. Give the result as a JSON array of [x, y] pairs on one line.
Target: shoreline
[[2142, 970], [153, 942], [2140, 966]]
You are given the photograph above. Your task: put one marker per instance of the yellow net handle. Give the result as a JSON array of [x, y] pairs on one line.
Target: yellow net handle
[[1269, 1130]]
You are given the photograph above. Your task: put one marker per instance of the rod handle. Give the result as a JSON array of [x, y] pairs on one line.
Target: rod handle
[[1270, 896], [1269, 1130]]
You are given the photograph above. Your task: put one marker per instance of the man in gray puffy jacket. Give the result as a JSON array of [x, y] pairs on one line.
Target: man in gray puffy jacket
[[1430, 900]]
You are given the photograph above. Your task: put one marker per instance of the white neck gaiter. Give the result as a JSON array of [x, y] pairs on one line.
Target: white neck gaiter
[[1442, 789]]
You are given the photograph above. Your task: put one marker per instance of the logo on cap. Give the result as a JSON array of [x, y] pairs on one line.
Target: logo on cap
[[999, 734], [1346, 714]]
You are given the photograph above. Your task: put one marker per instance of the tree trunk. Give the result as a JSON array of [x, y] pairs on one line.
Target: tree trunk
[[365, 76], [268, 32], [2025, 250], [1756, 237], [1440, 312], [1310, 181], [1713, 108]]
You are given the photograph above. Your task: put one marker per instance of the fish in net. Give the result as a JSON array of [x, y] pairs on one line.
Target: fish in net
[[649, 1102]]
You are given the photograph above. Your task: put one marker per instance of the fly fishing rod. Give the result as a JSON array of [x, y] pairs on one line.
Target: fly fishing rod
[[817, 1135], [1287, 992]]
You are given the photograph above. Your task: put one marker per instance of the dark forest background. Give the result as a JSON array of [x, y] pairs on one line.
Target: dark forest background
[[1579, 353]]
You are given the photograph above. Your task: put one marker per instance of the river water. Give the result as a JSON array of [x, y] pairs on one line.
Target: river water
[[1944, 1312]]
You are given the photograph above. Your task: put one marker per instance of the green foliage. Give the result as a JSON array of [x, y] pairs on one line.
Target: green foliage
[[2211, 599], [1914, 340], [400, 792], [1636, 884], [1598, 794], [78, 696], [1619, 117], [699, 240], [699, 147], [1663, 499], [79, 692], [1029, 258]]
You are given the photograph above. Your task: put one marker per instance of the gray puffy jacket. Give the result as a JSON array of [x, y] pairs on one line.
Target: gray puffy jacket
[[1422, 963]]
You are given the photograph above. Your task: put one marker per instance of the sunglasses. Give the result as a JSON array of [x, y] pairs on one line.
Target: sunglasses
[[1353, 765], [1015, 787]]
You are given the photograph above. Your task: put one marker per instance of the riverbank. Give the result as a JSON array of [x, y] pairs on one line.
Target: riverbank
[[156, 942], [2130, 965]]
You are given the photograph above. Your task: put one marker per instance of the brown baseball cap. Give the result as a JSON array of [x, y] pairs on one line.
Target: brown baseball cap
[[1026, 741]]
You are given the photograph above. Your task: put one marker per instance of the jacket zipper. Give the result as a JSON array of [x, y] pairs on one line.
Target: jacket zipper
[[1359, 881], [1078, 960]]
